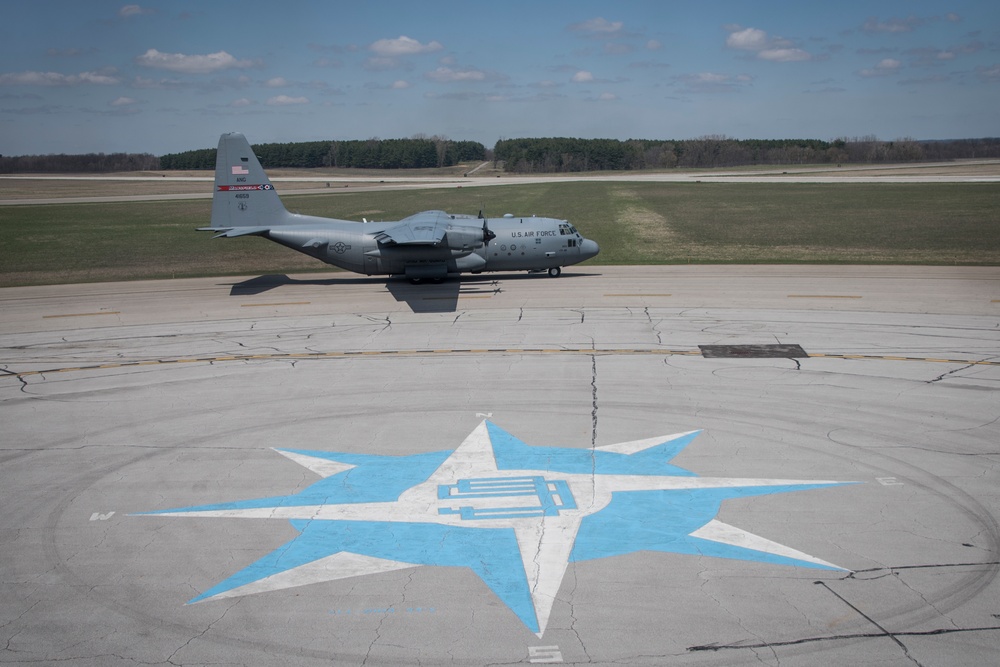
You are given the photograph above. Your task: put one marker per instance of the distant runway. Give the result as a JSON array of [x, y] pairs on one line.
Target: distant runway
[[985, 171], [707, 465]]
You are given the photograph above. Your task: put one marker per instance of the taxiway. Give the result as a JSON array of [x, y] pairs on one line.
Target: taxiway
[[233, 401]]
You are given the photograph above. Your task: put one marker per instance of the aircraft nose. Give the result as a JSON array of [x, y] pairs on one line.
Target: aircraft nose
[[589, 248]]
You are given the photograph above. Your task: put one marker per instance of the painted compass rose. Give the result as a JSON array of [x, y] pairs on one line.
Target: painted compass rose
[[514, 514]]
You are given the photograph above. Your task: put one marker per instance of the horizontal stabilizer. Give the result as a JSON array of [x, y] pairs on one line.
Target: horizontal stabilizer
[[232, 232]]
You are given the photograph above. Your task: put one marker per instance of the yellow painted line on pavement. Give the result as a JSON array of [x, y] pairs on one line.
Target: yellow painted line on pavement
[[930, 360], [345, 354]]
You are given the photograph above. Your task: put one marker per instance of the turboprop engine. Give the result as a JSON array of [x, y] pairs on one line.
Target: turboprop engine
[[467, 238]]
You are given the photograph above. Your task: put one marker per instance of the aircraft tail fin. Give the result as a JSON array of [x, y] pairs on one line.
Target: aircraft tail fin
[[244, 196]]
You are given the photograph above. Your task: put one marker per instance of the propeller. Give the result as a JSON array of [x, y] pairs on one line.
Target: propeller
[[488, 234]]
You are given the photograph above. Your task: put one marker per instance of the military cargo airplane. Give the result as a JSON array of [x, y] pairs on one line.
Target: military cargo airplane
[[425, 246]]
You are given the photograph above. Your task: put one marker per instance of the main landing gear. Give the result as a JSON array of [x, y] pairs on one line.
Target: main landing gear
[[553, 272]]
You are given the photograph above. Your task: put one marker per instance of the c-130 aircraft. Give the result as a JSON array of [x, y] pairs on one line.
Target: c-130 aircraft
[[425, 246]]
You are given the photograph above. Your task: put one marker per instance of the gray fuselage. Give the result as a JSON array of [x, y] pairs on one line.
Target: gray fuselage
[[528, 243]]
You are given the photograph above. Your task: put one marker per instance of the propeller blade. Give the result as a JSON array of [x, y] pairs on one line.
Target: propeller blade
[[488, 234]]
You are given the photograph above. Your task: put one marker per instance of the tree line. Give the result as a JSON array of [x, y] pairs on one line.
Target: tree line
[[416, 153], [545, 155], [567, 154], [91, 163]]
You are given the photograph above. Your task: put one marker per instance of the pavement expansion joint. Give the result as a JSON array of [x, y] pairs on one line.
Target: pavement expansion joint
[[590, 351]]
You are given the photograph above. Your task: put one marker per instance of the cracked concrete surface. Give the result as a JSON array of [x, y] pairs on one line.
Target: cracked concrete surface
[[84, 582]]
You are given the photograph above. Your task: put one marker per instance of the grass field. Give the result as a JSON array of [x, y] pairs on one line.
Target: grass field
[[634, 223]]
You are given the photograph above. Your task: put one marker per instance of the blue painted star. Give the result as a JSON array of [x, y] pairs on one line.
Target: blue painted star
[[515, 515]]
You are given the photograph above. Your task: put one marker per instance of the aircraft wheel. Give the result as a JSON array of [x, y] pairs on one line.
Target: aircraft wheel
[[416, 281], [555, 271]]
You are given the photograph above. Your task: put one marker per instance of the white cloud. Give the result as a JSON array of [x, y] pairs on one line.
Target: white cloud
[[57, 79], [143, 82], [765, 47], [713, 82], [403, 46], [285, 100], [97, 78], [710, 77], [884, 68], [582, 76], [607, 97], [600, 26], [133, 10], [989, 74], [784, 55], [277, 82], [400, 85], [748, 39], [654, 45], [242, 102], [122, 102], [892, 25], [196, 64], [448, 75], [381, 64]]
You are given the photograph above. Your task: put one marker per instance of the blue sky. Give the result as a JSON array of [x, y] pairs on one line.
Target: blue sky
[[165, 76]]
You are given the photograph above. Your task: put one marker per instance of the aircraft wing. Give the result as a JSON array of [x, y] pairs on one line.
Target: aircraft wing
[[427, 228]]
